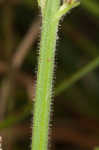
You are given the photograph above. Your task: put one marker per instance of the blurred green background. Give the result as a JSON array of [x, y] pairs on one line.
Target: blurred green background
[[75, 117]]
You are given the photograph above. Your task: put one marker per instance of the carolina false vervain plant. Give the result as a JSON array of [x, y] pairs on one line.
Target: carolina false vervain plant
[[52, 11]]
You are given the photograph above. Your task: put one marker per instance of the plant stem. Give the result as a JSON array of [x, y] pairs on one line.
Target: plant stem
[[51, 12], [45, 77]]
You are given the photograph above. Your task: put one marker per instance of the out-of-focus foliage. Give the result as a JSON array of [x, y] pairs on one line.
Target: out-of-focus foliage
[[97, 148], [76, 109]]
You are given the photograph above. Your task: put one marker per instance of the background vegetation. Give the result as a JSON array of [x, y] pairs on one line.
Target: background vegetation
[[76, 103]]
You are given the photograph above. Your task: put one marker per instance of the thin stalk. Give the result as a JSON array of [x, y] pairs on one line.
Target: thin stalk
[[44, 78], [51, 14]]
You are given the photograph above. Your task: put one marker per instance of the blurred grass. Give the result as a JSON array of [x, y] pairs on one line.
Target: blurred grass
[[91, 6]]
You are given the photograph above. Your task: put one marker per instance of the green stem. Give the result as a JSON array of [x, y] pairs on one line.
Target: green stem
[[51, 12], [45, 77]]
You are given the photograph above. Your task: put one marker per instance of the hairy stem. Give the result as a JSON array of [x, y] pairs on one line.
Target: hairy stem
[[51, 12], [45, 77]]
